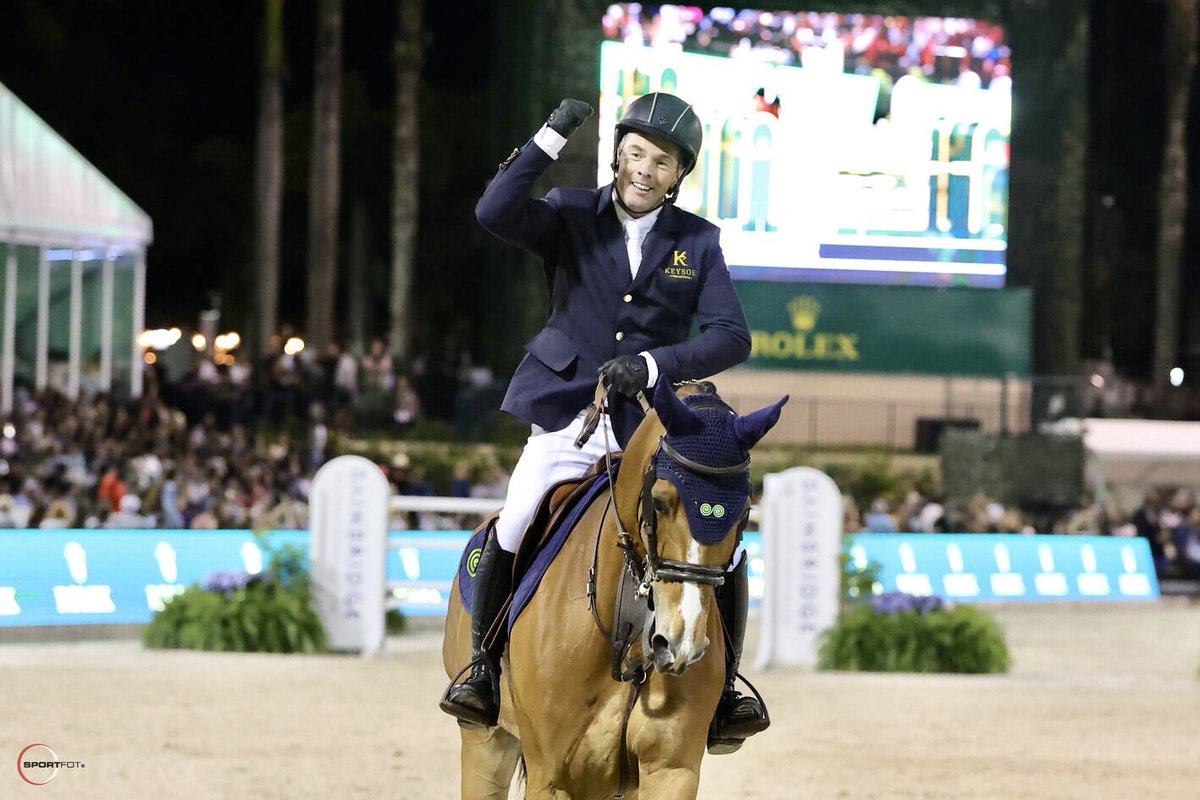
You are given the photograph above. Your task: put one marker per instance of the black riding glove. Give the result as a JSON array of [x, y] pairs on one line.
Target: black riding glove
[[626, 374], [569, 115]]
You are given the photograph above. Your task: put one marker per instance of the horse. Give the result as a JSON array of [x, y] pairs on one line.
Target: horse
[[589, 709]]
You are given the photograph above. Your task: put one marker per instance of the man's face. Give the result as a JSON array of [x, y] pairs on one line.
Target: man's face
[[647, 168]]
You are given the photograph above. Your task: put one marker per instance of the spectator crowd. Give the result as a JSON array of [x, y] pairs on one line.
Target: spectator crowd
[[964, 52], [218, 448], [1168, 519], [212, 451]]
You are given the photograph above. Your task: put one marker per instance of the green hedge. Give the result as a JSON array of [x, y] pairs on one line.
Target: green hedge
[[267, 613], [901, 633], [864, 475]]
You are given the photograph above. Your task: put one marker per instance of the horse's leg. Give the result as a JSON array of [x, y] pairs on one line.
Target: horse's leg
[[489, 760], [669, 728], [540, 791], [678, 783]]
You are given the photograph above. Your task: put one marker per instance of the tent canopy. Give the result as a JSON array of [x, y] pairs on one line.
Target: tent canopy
[[1132, 454], [50, 195]]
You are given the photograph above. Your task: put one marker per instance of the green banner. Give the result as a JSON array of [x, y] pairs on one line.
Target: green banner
[[862, 328]]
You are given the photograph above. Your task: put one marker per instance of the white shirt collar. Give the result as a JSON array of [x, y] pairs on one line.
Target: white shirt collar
[[644, 223]]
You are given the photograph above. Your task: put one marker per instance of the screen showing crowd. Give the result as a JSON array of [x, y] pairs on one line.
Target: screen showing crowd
[[854, 148]]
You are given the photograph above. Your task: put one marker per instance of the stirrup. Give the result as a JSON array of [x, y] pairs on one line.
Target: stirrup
[[721, 740], [470, 716]]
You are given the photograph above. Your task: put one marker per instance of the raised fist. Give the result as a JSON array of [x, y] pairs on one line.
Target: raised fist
[[569, 115]]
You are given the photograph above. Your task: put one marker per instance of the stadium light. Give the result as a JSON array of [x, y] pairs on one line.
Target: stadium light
[[1176, 376], [158, 338]]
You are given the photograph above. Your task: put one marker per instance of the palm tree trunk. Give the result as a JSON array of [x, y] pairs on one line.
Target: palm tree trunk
[[268, 178], [406, 154], [1179, 59], [1049, 146], [324, 176]]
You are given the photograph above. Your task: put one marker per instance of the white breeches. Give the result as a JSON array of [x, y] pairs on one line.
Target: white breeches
[[548, 457]]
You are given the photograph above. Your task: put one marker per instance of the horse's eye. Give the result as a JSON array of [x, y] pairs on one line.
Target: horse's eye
[[660, 506]]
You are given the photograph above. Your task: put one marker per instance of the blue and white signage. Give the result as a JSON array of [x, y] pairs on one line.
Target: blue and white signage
[[76, 577], [984, 567]]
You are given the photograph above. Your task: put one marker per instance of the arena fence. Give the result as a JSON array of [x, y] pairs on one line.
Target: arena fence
[[72, 577]]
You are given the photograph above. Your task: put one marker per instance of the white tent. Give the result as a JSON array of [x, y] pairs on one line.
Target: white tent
[[1132, 454], [57, 209]]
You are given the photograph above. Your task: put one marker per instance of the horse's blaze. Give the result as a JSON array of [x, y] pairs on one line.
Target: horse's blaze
[[683, 625]]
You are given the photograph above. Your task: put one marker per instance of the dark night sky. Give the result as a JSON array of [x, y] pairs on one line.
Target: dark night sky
[[161, 97]]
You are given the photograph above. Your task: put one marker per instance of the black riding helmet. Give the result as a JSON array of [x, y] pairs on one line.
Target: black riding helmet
[[666, 116]]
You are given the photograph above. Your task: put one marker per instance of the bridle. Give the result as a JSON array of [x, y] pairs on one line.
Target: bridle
[[652, 567]]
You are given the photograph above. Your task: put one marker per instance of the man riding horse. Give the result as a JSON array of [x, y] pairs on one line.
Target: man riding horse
[[628, 274]]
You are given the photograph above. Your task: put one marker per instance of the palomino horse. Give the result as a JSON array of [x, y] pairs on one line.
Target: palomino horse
[[658, 544]]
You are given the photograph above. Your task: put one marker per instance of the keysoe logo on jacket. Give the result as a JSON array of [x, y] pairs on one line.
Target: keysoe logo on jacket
[[679, 267]]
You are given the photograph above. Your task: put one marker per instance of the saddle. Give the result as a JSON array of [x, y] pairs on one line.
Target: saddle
[[556, 504], [554, 507]]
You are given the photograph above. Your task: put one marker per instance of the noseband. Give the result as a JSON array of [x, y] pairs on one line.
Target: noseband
[[653, 567]]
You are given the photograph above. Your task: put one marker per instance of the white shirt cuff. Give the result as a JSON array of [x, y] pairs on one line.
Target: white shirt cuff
[[652, 369], [550, 141]]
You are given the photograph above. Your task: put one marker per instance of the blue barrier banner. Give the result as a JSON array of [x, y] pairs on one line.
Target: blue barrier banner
[[985, 567], [72, 577]]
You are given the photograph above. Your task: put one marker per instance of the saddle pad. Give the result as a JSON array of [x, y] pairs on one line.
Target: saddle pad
[[541, 561], [466, 565]]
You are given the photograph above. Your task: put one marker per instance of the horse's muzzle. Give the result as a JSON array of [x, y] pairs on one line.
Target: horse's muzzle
[[673, 659]]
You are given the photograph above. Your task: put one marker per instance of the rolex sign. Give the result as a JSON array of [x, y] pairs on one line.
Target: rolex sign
[[870, 328]]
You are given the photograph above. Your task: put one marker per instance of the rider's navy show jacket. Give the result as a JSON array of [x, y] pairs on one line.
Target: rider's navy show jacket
[[597, 311]]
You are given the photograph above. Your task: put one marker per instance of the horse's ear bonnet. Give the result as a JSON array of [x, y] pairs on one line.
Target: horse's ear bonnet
[[702, 430]]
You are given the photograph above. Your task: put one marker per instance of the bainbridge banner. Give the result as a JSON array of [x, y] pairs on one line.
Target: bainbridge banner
[[802, 537], [347, 549]]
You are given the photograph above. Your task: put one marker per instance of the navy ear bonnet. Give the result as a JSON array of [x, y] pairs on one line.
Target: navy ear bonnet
[[714, 503]]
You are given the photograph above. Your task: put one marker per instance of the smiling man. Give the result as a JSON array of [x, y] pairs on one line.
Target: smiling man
[[627, 274]]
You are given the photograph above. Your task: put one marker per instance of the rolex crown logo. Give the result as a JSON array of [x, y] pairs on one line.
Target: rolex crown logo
[[804, 311]]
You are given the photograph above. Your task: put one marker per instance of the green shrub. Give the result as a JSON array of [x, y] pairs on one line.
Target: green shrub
[[395, 622], [266, 613], [901, 633], [858, 583]]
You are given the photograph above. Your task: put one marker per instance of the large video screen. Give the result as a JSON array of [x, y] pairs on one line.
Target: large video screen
[[854, 148]]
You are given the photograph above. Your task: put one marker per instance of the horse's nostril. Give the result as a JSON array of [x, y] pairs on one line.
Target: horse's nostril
[[660, 643]]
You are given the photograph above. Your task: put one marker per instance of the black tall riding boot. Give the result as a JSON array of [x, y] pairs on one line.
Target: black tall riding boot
[[476, 700], [737, 716]]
